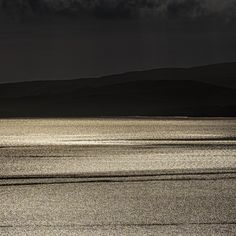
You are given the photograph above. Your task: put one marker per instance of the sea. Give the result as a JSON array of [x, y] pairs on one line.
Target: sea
[[120, 176]]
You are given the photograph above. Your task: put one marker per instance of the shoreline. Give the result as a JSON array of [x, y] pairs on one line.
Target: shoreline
[[124, 118]]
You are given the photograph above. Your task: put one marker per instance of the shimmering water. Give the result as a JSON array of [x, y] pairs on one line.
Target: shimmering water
[[75, 146], [199, 200], [60, 146]]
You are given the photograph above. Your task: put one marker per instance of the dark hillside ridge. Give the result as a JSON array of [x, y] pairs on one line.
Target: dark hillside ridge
[[200, 91]]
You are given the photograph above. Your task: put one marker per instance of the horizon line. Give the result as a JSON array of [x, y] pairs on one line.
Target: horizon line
[[117, 74]]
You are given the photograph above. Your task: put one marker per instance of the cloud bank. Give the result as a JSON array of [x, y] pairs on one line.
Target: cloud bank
[[167, 9]]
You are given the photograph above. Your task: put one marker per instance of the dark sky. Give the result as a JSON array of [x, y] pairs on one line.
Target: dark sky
[[64, 39]]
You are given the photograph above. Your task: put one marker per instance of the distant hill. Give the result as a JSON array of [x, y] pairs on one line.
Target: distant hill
[[199, 91]]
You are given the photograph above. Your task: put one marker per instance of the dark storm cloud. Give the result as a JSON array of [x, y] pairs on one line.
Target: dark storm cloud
[[186, 9], [192, 10], [80, 8], [169, 9]]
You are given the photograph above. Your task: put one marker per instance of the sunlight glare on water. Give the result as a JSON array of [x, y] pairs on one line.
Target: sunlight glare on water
[[74, 146]]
